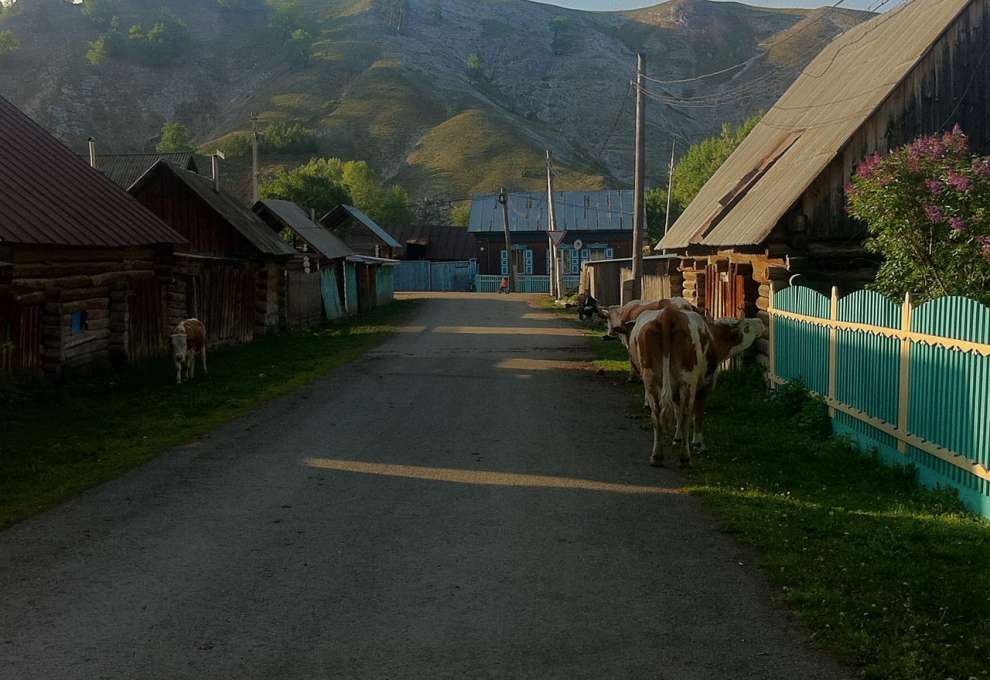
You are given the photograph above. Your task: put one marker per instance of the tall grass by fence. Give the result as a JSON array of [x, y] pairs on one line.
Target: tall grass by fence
[[912, 383]]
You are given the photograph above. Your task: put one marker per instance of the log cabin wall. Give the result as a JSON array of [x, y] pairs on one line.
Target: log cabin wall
[[75, 307]]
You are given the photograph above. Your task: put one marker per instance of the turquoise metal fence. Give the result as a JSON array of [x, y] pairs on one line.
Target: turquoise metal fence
[[528, 283], [912, 383]]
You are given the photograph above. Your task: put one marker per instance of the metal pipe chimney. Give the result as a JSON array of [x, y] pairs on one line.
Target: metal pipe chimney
[[92, 152], [215, 162]]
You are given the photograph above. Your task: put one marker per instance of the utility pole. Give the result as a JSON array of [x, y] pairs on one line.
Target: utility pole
[[555, 265], [254, 159], [670, 185], [503, 199], [638, 185]]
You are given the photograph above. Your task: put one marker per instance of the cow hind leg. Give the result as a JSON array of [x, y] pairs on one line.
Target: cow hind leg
[[202, 356], [698, 435], [684, 420], [651, 390]]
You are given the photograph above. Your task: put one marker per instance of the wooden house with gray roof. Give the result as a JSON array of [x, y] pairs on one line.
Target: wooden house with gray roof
[[124, 169], [775, 210], [84, 268], [231, 273]]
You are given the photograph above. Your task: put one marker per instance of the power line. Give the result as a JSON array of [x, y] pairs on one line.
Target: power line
[[741, 64]]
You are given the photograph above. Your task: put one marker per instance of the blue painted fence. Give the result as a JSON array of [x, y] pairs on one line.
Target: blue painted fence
[[528, 283], [912, 383], [423, 275]]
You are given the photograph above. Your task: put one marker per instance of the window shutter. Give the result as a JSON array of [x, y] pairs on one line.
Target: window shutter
[[528, 261], [586, 254], [609, 253], [575, 262], [505, 263]]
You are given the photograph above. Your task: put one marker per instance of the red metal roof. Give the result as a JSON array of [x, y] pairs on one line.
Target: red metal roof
[[49, 196]]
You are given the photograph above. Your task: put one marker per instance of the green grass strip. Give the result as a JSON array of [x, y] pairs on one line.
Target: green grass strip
[[891, 577], [60, 440]]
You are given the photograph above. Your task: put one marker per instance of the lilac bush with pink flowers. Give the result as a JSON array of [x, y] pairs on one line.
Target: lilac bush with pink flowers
[[927, 206]]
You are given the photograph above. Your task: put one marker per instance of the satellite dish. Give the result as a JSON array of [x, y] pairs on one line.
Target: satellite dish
[[578, 244]]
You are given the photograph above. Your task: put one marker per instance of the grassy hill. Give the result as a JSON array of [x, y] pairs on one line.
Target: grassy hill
[[388, 81]]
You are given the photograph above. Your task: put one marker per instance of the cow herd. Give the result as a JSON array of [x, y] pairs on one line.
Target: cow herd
[[676, 350]]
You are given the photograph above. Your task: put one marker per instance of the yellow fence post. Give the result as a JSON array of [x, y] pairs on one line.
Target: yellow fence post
[[904, 395], [833, 351]]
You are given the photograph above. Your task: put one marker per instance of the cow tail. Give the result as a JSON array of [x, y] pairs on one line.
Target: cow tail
[[667, 408]]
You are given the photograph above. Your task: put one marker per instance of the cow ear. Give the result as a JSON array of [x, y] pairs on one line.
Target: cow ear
[[627, 327], [602, 313]]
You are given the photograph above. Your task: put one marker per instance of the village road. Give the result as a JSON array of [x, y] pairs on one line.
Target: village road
[[467, 501]]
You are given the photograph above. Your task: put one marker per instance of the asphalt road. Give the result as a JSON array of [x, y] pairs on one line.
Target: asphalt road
[[465, 502]]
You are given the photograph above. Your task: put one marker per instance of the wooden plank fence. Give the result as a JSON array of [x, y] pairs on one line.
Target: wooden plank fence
[[911, 382], [304, 299]]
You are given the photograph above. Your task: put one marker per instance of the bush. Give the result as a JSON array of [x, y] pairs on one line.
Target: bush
[[175, 137], [282, 137], [236, 145], [927, 206]]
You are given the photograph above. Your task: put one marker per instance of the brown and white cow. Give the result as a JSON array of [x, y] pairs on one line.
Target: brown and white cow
[[679, 353], [622, 321], [188, 340]]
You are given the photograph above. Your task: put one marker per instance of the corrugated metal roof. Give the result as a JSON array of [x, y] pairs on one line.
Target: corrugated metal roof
[[252, 227], [49, 196], [343, 213], [291, 215], [610, 210], [367, 259], [809, 125], [126, 168], [441, 242]]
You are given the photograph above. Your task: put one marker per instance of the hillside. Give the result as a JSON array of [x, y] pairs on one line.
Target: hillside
[[388, 80]]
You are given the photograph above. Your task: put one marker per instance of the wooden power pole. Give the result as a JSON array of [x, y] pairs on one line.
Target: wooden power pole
[[503, 199], [556, 269], [638, 184], [670, 185], [254, 159]]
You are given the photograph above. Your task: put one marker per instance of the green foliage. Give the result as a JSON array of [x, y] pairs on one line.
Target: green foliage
[[317, 185], [656, 212], [286, 18], [704, 158], [927, 206], [560, 28], [99, 11], [475, 70], [461, 215], [324, 183], [8, 43], [163, 42], [298, 47], [236, 145], [175, 137], [283, 137]]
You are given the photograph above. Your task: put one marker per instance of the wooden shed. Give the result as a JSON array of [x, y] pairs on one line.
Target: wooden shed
[[608, 280], [369, 282], [776, 207], [314, 289], [83, 266], [231, 274], [361, 232]]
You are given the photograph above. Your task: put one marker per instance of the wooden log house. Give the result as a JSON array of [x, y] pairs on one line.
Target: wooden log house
[[775, 210], [84, 267], [231, 275], [361, 233]]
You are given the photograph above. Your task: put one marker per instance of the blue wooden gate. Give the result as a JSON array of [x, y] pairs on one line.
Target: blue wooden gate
[[331, 297]]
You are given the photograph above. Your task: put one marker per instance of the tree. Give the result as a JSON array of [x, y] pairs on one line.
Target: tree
[[285, 137], [175, 137], [702, 160], [99, 11], [690, 174], [474, 68], [8, 43], [324, 183], [98, 52], [927, 207], [317, 185]]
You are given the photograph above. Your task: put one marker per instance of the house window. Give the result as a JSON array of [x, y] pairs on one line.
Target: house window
[[79, 322], [609, 253]]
